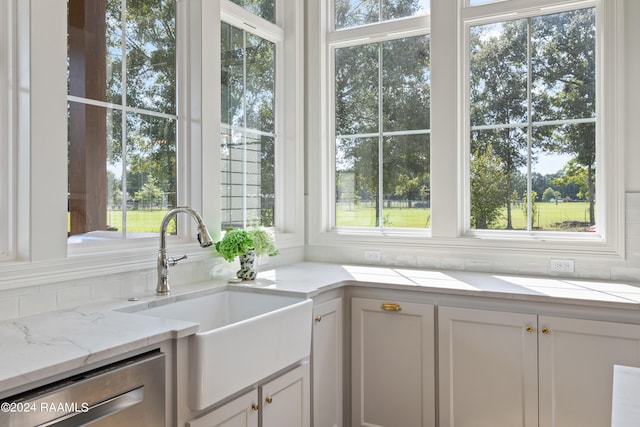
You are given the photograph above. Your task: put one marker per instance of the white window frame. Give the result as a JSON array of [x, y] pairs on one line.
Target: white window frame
[[322, 209], [450, 234], [239, 18], [6, 103], [610, 199], [287, 35]]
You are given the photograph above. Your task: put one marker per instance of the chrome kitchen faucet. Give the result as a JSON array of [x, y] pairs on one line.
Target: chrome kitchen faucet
[[163, 262]]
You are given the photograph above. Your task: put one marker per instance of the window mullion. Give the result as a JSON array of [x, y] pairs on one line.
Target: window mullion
[[529, 127], [380, 221], [123, 115], [244, 125]]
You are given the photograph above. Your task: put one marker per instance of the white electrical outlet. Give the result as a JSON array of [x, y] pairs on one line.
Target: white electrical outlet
[[562, 265], [372, 256]]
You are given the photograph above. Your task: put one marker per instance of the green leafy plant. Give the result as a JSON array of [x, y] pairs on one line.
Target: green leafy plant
[[238, 241], [264, 242]]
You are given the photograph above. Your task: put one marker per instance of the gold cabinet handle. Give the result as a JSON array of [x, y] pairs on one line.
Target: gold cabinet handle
[[255, 406], [530, 328], [318, 319], [545, 331], [390, 306], [268, 399]]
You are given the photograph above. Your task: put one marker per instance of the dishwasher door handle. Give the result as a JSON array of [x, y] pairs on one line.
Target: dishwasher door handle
[[99, 410]]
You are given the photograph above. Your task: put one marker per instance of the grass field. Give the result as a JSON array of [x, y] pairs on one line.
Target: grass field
[[138, 221], [550, 216]]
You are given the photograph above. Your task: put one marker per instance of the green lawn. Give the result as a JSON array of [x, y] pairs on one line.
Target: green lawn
[[138, 221], [550, 217], [358, 216]]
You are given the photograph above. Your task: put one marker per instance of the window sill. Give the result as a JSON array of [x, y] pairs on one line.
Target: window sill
[[508, 242]]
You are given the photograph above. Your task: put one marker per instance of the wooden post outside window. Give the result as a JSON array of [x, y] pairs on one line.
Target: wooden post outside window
[[87, 123]]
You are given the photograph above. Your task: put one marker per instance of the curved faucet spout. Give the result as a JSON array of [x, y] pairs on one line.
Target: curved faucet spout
[[204, 238]]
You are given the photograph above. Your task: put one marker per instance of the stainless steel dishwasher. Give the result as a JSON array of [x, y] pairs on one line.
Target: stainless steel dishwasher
[[123, 394]]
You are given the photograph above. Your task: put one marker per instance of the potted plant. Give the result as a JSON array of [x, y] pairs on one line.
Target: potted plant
[[246, 244]]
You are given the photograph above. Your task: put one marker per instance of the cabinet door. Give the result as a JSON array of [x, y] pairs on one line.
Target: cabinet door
[[488, 368], [327, 364], [241, 412], [576, 369], [286, 401], [392, 364]]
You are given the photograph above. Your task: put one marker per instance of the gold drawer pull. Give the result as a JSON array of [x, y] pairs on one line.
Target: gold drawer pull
[[530, 328], [255, 406], [318, 319], [390, 306], [545, 330], [269, 399]]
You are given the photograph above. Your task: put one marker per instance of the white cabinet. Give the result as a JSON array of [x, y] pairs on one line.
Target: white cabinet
[[285, 400], [503, 369], [393, 364], [281, 402], [241, 412], [576, 368], [327, 364], [488, 368]]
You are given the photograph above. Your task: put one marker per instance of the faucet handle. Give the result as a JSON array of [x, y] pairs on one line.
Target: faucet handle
[[173, 261]]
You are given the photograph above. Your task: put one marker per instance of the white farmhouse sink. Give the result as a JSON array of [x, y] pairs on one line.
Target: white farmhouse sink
[[243, 338]]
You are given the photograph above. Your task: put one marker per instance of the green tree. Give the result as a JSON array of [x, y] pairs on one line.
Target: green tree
[[577, 174], [150, 195], [408, 188], [488, 188], [550, 194], [499, 94], [262, 8]]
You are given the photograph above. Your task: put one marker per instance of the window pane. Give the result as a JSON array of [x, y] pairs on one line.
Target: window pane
[[114, 55], [406, 94], [151, 55], [260, 84], [89, 64], [352, 13], [564, 74], [248, 179], [151, 177], [357, 89], [357, 182], [263, 8], [497, 182], [407, 187], [122, 167], [498, 60], [232, 75], [563, 181], [541, 68], [248, 126]]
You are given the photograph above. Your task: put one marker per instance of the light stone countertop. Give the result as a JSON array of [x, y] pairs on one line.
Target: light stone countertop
[[35, 348]]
